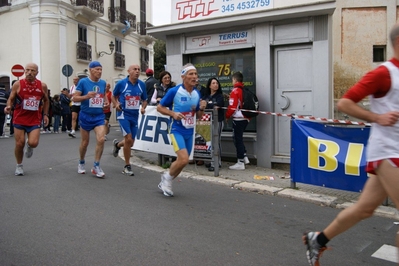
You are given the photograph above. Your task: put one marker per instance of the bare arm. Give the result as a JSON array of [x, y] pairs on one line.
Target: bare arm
[[165, 111], [351, 108], [143, 106], [115, 102], [77, 96], [46, 103], [200, 112]]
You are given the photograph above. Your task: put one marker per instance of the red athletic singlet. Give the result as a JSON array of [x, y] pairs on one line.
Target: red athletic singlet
[[28, 108]]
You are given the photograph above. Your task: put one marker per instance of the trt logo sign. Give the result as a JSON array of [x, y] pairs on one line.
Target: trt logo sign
[[194, 8]]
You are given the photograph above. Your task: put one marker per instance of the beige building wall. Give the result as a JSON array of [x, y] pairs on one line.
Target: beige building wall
[[358, 25], [46, 32]]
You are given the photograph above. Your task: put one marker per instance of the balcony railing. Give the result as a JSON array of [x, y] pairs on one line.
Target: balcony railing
[[119, 60], [96, 5], [83, 51], [89, 9], [118, 15], [142, 27]]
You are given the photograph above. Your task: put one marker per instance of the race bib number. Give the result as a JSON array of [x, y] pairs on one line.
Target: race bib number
[[132, 102], [31, 103], [96, 102], [189, 121]]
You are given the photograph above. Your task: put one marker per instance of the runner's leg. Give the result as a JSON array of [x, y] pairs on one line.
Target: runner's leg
[[372, 196]]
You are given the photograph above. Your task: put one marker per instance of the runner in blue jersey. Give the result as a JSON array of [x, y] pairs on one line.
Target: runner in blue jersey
[[129, 96], [90, 92], [182, 103]]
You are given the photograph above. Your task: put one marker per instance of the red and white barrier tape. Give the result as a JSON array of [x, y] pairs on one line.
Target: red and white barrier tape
[[347, 122]]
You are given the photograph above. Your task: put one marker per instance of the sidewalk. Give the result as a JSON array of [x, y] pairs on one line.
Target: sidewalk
[[280, 186]]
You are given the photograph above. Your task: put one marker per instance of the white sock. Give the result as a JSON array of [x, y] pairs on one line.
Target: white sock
[[168, 176]]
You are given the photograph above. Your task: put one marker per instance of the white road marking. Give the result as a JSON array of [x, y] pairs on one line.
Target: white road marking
[[388, 253]]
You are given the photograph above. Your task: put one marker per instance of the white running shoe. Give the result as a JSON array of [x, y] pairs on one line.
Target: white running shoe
[[128, 170], [237, 166], [81, 168], [96, 170], [166, 186], [246, 160], [72, 134], [28, 150], [19, 170]]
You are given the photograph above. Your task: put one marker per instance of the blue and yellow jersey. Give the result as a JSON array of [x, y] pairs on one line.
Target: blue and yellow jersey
[[178, 99]]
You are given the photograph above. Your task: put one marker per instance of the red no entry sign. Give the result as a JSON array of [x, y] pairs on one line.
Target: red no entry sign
[[18, 70]]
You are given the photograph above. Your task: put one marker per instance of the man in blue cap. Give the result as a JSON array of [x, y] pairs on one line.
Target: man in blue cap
[[90, 92]]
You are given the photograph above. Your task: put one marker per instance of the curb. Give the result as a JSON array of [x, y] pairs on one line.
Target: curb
[[319, 199]]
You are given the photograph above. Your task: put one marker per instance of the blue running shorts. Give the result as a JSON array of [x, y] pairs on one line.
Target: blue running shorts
[[129, 126], [27, 129], [180, 141], [88, 122]]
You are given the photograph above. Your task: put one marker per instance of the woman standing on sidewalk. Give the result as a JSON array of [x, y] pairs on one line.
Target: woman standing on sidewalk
[[214, 98]]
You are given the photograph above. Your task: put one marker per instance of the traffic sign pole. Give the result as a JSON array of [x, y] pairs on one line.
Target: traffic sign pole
[[67, 71]]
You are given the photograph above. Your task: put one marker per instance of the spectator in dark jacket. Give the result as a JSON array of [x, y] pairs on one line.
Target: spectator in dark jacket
[[150, 83], [213, 95], [57, 109], [66, 110]]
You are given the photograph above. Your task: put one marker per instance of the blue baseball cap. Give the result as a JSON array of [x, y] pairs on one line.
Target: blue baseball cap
[[94, 64]]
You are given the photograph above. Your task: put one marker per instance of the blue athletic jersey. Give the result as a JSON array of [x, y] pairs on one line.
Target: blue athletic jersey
[[94, 105], [130, 96], [178, 99]]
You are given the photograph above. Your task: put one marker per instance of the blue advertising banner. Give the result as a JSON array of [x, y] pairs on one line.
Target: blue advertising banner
[[328, 155]]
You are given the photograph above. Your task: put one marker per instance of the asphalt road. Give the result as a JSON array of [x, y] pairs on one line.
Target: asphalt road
[[55, 216]]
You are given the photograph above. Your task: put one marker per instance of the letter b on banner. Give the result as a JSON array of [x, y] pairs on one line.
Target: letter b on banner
[[322, 149]]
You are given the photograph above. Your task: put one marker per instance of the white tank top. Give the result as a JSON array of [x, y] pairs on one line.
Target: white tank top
[[383, 142], [72, 91]]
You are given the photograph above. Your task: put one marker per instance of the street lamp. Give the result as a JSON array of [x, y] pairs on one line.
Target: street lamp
[[111, 48]]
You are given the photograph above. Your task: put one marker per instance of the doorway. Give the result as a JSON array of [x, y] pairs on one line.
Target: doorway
[[293, 92]]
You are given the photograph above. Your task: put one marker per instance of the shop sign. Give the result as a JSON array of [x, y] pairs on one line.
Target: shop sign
[[187, 10], [217, 40]]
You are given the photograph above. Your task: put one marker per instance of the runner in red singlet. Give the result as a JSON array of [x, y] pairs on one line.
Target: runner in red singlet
[[31, 102], [382, 153]]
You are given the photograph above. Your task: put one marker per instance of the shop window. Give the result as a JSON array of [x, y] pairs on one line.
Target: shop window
[[222, 65], [379, 53]]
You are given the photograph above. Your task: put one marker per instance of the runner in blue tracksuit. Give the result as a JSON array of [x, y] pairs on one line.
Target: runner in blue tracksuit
[[129, 96], [182, 103], [90, 92]]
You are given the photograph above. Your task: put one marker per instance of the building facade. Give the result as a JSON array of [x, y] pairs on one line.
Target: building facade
[[297, 55], [59, 33]]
